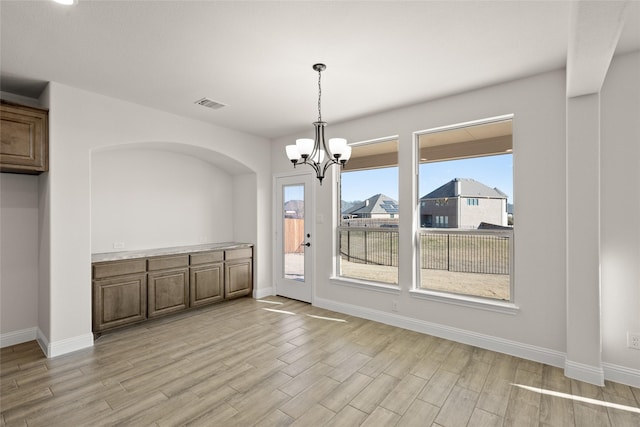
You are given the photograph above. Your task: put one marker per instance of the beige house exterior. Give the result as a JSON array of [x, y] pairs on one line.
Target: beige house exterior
[[378, 206], [463, 203]]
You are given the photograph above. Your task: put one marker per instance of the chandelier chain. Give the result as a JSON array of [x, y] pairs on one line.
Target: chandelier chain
[[319, 95]]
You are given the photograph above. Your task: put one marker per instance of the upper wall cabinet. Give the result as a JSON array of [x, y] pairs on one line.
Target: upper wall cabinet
[[24, 135]]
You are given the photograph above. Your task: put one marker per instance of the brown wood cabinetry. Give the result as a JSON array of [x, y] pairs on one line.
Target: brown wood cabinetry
[[132, 290], [206, 278], [24, 139], [168, 284], [119, 294], [238, 272]]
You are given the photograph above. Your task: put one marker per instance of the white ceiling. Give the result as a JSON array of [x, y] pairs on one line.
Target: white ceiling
[[256, 56]]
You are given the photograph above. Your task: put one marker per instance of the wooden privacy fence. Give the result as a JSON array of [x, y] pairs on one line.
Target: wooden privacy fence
[[293, 235]]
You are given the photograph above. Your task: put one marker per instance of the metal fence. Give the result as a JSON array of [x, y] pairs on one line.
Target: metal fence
[[370, 222], [477, 251], [369, 245]]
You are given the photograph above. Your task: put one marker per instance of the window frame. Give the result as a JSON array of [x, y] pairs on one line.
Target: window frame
[[468, 300], [337, 277]]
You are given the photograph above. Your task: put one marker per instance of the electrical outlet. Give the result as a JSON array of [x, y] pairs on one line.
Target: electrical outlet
[[118, 245], [633, 340], [394, 305]]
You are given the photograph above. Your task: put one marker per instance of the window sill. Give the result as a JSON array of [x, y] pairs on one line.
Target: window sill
[[364, 284], [466, 301]]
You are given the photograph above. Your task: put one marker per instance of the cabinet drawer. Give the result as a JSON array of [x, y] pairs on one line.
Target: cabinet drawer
[[237, 253], [207, 257], [118, 268], [162, 263]]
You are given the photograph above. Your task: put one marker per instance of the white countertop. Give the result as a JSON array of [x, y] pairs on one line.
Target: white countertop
[[145, 253]]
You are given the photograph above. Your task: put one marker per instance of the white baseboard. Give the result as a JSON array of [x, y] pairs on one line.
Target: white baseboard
[[18, 337], [513, 348], [264, 292], [582, 372], [43, 342], [69, 345], [58, 348], [587, 373], [621, 374]]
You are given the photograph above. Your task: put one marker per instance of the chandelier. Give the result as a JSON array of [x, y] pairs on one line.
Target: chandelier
[[314, 152]]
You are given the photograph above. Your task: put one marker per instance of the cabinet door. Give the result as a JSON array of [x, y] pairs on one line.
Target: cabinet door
[[24, 139], [238, 279], [206, 284], [119, 301], [168, 291]]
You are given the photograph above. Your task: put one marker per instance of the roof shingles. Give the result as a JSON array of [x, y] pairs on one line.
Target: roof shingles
[[378, 204], [468, 188]]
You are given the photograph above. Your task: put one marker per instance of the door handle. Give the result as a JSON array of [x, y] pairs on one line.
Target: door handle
[[305, 244]]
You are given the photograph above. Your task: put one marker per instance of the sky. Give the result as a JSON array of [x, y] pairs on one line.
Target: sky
[[493, 171]]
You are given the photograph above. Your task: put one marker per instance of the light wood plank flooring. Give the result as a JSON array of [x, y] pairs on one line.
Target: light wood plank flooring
[[248, 362]]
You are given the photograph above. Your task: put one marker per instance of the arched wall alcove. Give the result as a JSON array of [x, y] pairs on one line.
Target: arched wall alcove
[[162, 194], [84, 127]]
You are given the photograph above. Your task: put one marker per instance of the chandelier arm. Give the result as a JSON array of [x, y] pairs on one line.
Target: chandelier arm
[[327, 165], [318, 140], [317, 167], [327, 153]]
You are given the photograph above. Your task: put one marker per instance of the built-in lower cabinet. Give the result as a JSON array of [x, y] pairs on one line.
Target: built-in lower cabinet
[[206, 279], [167, 284], [238, 272], [168, 291], [133, 290], [119, 294]]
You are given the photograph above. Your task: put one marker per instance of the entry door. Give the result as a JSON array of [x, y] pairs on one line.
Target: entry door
[[294, 240]]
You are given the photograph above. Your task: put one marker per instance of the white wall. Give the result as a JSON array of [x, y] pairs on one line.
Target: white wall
[[81, 122], [249, 220], [583, 348], [20, 244], [620, 209], [18, 253], [44, 248], [150, 198], [538, 105], [538, 330]]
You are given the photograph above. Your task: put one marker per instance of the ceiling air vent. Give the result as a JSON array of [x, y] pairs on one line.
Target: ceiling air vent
[[210, 103]]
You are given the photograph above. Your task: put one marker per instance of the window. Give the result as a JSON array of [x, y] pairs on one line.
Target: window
[[442, 221], [465, 184], [369, 213]]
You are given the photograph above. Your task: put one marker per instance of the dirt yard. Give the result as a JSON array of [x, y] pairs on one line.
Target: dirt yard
[[477, 284], [482, 285]]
